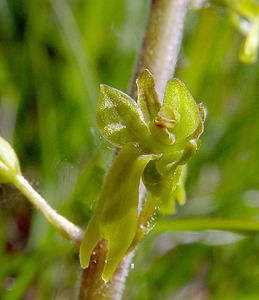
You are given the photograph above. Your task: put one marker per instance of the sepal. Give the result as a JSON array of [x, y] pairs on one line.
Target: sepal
[[119, 117]]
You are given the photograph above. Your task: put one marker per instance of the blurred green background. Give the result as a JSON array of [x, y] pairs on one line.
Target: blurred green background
[[53, 56]]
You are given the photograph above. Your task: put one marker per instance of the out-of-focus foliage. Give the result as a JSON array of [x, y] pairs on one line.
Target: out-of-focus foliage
[[245, 16], [53, 56]]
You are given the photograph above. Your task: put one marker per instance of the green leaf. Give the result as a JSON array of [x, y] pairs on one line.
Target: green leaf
[[9, 164], [147, 96], [116, 212], [119, 118]]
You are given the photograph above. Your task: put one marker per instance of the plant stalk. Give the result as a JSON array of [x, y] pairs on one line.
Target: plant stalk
[[69, 230], [159, 52], [161, 43]]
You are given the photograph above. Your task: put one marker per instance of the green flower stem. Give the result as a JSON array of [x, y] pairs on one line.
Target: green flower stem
[[162, 42], [69, 230], [159, 54], [236, 225]]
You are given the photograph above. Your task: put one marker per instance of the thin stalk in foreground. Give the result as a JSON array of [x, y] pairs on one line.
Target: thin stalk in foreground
[[159, 54], [69, 230], [236, 225]]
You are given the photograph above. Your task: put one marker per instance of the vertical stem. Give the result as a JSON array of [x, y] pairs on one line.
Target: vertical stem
[[159, 54], [162, 42], [92, 285]]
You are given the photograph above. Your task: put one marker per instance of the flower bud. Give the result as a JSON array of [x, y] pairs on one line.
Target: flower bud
[[9, 164]]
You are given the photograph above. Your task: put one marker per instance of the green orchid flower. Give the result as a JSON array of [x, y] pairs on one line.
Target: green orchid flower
[[156, 142]]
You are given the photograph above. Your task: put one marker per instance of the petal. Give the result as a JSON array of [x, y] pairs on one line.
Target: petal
[[187, 116], [147, 96]]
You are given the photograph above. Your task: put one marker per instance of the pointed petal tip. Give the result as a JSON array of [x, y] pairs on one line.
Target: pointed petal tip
[[108, 272], [105, 279], [145, 75]]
